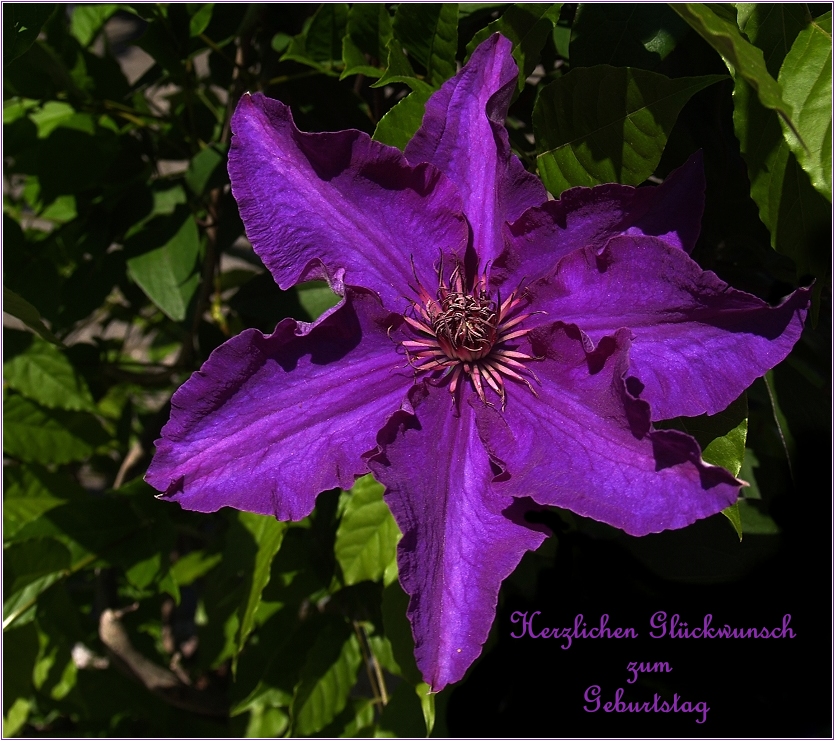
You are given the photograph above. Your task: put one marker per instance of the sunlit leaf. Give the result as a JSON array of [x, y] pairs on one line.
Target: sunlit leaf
[[206, 170], [366, 541], [806, 80], [721, 436], [326, 679], [201, 19], [267, 533], [316, 297], [19, 608], [607, 124], [44, 374], [732, 513], [796, 216], [34, 433], [166, 273], [193, 565], [87, 21], [728, 450], [266, 722]]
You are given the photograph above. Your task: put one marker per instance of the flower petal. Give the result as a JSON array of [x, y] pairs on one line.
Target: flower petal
[[272, 420], [463, 135], [697, 343], [457, 544], [589, 217], [339, 199], [586, 444]]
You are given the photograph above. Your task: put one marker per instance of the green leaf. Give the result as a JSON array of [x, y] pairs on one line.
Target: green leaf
[[625, 34], [267, 532], [33, 433], [90, 527], [728, 450], [429, 31], [193, 565], [17, 716], [369, 26], [20, 651], [166, 273], [52, 114], [366, 541], [327, 677], [528, 26], [44, 374], [743, 58], [316, 297], [399, 632], [21, 309], [87, 21], [399, 69], [402, 717], [266, 722], [721, 436], [27, 561], [22, 22], [722, 439], [368, 32], [399, 125], [772, 28], [355, 721], [206, 170], [754, 521], [198, 22], [795, 214], [30, 491], [782, 424], [732, 513], [320, 45], [806, 80], [29, 569], [607, 124]]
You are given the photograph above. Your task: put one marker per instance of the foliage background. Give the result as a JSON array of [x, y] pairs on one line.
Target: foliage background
[[125, 265]]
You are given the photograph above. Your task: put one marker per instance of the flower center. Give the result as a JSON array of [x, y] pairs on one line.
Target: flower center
[[466, 326], [462, 333]]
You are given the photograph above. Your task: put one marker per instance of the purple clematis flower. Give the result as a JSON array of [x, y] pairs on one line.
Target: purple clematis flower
[[492, 351]]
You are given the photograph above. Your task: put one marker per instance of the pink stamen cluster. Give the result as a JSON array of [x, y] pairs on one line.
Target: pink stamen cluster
[[464, 333]]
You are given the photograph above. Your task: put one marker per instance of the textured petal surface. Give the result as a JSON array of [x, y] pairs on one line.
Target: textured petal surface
[[457, 546], [586, 443], [589, 217], [338, 200], [271, 421], [463, 135], [697, 343]]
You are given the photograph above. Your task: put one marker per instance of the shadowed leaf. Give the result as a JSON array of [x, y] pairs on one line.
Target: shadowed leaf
[[607, 124]]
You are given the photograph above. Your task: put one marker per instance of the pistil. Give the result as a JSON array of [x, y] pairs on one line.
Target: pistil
[[464, 332]]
